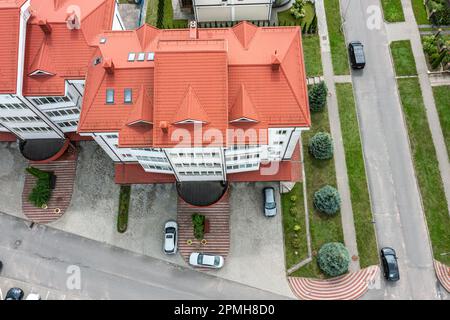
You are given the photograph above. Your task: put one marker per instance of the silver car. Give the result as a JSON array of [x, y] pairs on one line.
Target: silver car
[[270, 206], [170, 237], [206, 260]]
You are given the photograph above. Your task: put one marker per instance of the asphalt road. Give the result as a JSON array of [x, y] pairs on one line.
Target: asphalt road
[[399, 218], [46, 257]]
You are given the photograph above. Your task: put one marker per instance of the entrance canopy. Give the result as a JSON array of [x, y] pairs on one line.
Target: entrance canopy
[[201, 194]]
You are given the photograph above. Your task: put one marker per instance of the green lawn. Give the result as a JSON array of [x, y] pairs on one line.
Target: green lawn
[[420, 12], [402, 54], [318, 174], [168, 22], [337, 40], [441, 97], [294, 241], [311, 52], [392, 10], [362, 212], [426, 167], [285, 17]]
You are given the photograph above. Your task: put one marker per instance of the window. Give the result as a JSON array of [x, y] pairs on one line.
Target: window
[[141, 56], [151, 56], [131, 56], [97, 61], [127, 96], [110, 96]]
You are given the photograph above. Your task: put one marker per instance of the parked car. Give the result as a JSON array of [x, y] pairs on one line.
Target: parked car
[[33, 296], [206, 260], [14, 294], [390, 264], [170, 237], [356, 54], [1, 266], [270, 206]]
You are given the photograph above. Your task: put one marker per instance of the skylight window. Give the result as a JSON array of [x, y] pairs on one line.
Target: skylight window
[[109, 96], [151, 56], [141, 56], [127, 96], [102, 40], [131, 56]]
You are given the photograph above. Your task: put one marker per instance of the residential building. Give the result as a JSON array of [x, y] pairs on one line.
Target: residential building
[[229, 10], [198, 104], [47, 46]]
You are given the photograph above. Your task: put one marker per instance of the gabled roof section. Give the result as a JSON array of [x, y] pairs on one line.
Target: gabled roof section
[[191, 110], [245, 32], [42, 63], [243, 109], [146, 34], [142, 112]]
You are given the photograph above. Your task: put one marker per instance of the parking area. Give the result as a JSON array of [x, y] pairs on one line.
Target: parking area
[[257, 247], [256, 255], [44, 293]]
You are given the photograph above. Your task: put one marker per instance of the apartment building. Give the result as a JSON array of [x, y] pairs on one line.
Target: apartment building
[[230, 10], [47, 46], [198, 104]]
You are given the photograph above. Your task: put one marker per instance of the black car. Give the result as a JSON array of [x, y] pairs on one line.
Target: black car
[[390, 264], [1, 266], [356, 53], [14, 294]]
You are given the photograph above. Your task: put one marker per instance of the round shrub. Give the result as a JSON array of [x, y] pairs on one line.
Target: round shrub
[[318, 97], [333, 259], [293, 211], [296, 243], [293, 198], [327, 200], [321, 146]]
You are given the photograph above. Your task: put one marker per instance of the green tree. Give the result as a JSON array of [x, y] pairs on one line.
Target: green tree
[[333, 259], [327, 200], [317, 95], [321, 146]]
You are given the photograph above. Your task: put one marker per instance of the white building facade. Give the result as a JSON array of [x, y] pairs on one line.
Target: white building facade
[[232, 10]]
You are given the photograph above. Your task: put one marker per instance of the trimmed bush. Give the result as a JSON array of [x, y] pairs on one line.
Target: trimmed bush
[[294, 198], [296, 243], [327, 200], [293, 211], [333, 259], [317, 95], [198, 222], [41, 193], [321, 146], [124, 205]]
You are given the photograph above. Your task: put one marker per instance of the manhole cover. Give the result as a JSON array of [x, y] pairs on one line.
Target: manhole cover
[[17, 244], [355, 258], [324, 37]]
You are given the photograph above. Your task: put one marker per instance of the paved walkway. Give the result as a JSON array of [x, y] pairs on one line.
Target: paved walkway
[[440, 79], [347, 287], [409, 30], [59, 202], [443, 274], [348, 224], [218, 236]]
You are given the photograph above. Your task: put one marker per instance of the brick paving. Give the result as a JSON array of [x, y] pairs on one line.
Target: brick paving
[[65, 170], [443, 274], [347, 287], [218, 237]]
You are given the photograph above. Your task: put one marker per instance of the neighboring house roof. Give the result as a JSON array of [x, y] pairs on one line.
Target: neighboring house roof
[[63, 53], [242, 78], [9, 48]]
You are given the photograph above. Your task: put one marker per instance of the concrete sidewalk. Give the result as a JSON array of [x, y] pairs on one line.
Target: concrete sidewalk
[[348, 224], [408, 30]]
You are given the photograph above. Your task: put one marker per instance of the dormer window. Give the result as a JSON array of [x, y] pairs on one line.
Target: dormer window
[[109, 96], [141, 56], [127, 96]]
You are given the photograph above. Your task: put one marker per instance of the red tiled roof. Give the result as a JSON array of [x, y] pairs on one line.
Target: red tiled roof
[[9, 48], [64, 53], [229, 73]]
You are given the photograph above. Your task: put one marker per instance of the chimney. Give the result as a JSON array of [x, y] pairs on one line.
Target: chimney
[[45, 26], [275, 62], [193, 31], [164, 126], [73, 20], [108, 65]]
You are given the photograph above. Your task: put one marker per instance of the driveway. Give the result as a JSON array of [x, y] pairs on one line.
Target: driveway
[[257, 247], [256, 255]]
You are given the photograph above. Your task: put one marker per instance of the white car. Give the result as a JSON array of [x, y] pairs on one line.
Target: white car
[[33, 296], [170, 237], [206, 260]]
